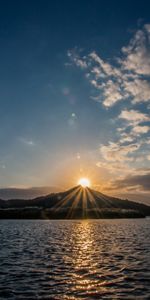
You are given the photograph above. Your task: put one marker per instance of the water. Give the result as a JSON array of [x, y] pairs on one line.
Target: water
[[103, 259]]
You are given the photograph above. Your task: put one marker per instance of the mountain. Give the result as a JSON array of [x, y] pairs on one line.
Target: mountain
[[75, 203], [26, 193]]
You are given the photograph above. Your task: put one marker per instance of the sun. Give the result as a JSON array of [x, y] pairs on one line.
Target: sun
[[84, 182]]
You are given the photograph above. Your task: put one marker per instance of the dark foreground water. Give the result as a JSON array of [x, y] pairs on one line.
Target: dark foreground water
[[105, 259]]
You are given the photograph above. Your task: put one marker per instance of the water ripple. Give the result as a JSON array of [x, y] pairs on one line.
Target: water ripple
[[96, 259]]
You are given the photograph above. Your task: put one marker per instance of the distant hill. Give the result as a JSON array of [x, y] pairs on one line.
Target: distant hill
[[26, 193], [75, 203], [137, 197]]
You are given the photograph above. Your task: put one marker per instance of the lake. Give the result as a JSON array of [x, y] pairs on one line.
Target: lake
[[94, 259]]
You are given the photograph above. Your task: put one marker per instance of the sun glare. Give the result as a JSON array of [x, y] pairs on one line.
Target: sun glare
[[84, 182]]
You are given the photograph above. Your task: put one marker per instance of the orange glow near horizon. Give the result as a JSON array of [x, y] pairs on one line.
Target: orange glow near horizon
[[84, 182]]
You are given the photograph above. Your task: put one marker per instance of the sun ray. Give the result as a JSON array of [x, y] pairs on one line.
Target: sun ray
[[103, 197], [74, 204], [62, 202], [92, 200], [84, 203]]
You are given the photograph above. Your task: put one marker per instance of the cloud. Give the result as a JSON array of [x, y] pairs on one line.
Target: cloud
[[111, 93], [124, 78], [75, 58], [138, 89], [117, 152], [2, 166], [28, 142], [113, 167], [141, 129], [134, 126], [126, 138], [134, 117], [103, 69], [137, 54], [137, 181], [123, 82]]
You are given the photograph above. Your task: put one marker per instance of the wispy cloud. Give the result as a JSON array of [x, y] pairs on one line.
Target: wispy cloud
[[137, 182], [2, 166], [134, 117], [126, 80], [75, 58], [141, 129], [137, 54], [117, 152], [27, 142]]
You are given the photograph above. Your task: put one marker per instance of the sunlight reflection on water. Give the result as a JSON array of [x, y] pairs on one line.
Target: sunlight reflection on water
[[103, 259]]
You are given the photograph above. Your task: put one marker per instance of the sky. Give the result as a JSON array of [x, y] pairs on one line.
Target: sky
[[75, 95]]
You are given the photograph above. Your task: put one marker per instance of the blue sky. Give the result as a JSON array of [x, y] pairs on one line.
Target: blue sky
[[74, 94]]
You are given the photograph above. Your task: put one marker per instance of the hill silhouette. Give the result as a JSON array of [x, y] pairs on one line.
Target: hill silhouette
[[76, 203], [26, 193]]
